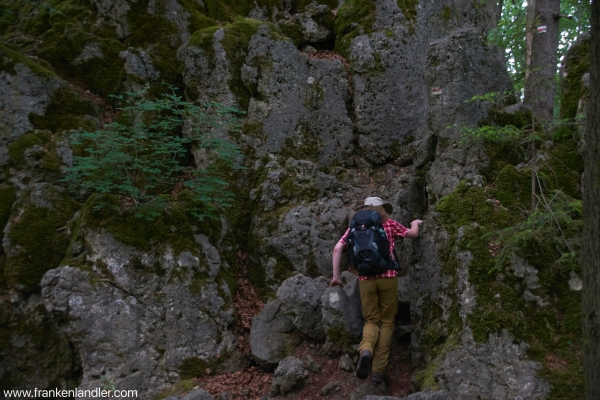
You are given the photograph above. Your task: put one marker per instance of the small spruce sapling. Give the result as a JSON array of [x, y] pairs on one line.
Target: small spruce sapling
[[144, 155]]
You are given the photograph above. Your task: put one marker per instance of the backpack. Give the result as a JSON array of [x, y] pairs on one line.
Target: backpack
[[368, 245]]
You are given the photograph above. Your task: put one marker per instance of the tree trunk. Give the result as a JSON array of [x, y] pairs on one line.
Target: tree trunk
[[494, 12], [540, 82], [590, 262], [529, 29]]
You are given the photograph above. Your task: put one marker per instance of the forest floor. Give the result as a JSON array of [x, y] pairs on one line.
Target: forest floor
[[328, 379]]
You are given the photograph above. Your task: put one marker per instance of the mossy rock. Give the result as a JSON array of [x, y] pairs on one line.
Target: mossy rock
[[179, 388], [514, 187], [67, 110], [173, 227], [10, 58], [354, 18], [465, 205], [7, 198], [104, 75], [236, 40], [39, 236], [552, 330], [46, 157], [577, 63]]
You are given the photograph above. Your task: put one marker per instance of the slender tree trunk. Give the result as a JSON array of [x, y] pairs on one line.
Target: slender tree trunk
[[590, 262], [540, 83], [530, 28]]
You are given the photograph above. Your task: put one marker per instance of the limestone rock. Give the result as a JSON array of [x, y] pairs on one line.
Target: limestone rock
[[342, 312], [133, 326], [271, 336], [497, 370], [290, 375], [25, 90], [301, 302]]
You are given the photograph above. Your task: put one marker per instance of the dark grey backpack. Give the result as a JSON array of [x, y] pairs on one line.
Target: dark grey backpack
[[368, 245]]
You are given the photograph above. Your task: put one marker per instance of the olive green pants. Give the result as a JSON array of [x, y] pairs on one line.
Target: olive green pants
[[379, 299]]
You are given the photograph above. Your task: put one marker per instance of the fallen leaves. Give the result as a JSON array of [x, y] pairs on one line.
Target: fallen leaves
[[251, 383], [246, 304]]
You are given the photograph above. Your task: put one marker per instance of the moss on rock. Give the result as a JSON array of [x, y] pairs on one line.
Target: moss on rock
[[235, 42], [551, 330], [38, 236], [355, 17], [66, 110], [10, 58], [577, 63], [7, 198]]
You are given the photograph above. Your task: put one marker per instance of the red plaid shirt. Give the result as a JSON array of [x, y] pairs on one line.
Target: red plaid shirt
[[393, 230]]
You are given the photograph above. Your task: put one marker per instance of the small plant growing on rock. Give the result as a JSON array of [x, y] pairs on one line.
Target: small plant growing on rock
[[143, 158]]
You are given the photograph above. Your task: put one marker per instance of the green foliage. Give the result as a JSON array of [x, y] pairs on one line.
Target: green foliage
[[145, 156], [470, 136], [510, 33], [554, 227]]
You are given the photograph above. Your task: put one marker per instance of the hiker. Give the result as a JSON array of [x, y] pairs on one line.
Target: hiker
[[378, 294]]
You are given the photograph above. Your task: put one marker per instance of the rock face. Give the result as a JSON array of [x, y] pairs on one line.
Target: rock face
[[367, 100], [496, 370], [135, 328], [24, 89]]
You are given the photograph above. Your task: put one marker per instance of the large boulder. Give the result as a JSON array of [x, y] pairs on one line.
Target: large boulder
[[141, 318], [301, 302], [272, 336]]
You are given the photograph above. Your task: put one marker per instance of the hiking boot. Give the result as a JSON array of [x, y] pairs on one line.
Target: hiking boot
[[364, 364], [379, 377]]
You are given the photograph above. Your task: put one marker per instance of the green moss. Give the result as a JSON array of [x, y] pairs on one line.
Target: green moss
[[163, 37], [314, 96], [446, 13], [355, 17], [194, 367], [396, 149], [66, 110], [177, 389], [197, 20], [552, 331], [294, 32], [577, 63], [563, 167], [305, 147], [236, 40], [514, 187], [409, 9], [68, 32], [39, 235], [16, 149], [7, 198], [173, 227], [10, 58], [465, 205]]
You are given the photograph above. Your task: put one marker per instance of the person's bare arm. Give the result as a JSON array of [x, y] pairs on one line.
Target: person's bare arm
[[340, 247], [413, 232]]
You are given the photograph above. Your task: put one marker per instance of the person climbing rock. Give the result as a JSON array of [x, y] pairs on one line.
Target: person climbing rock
[[379, 291]]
